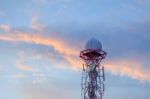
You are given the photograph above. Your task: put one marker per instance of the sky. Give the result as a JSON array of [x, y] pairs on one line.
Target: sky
[[40, 43]]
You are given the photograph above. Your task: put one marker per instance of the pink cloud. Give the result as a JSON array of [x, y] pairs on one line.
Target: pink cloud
[[57, 44], [120, 67], [129, 68]]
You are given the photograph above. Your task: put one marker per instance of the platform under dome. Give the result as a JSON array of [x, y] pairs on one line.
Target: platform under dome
[[93, 44]]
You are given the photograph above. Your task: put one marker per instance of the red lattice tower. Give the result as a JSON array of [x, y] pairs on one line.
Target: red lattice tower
[[93, 76]]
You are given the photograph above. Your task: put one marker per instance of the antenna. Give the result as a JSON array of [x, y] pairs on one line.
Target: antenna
[[93, 76], [103, 73]]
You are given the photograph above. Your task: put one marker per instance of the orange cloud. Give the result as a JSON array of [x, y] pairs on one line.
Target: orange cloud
[[124, 67], [57, 44], [24, 67], [73, 61], [129, 68]]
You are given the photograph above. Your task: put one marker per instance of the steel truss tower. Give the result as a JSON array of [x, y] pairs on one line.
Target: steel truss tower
[[93, 76]]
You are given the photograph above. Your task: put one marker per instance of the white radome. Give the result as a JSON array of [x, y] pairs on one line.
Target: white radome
[[93, 44]]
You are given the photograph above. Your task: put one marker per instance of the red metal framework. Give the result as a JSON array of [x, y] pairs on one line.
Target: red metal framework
[[93, 74], [92, 54]]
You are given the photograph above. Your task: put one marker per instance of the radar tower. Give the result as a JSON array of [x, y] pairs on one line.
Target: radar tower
[[93, 76]]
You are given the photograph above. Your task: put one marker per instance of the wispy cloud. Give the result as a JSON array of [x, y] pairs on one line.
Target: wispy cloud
[[130, 68], [19, 76], [35, 21], [70, 55], [24, 67], [58, 45], [5, 27]]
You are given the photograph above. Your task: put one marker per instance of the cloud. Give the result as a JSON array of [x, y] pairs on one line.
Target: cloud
[[36, 23], [59, 84], [61, 47], [47, 92], [130, 68], [19, 76], [39, 77], [65, 56], [24, 67], [5, 27]]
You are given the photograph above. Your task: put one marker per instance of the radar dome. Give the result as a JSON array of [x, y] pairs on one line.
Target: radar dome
[[93, 44]]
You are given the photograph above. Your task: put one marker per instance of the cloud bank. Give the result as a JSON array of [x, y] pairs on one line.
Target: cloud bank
[[116, 64]]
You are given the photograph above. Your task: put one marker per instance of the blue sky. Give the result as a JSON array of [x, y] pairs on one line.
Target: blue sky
[[40, 42]]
